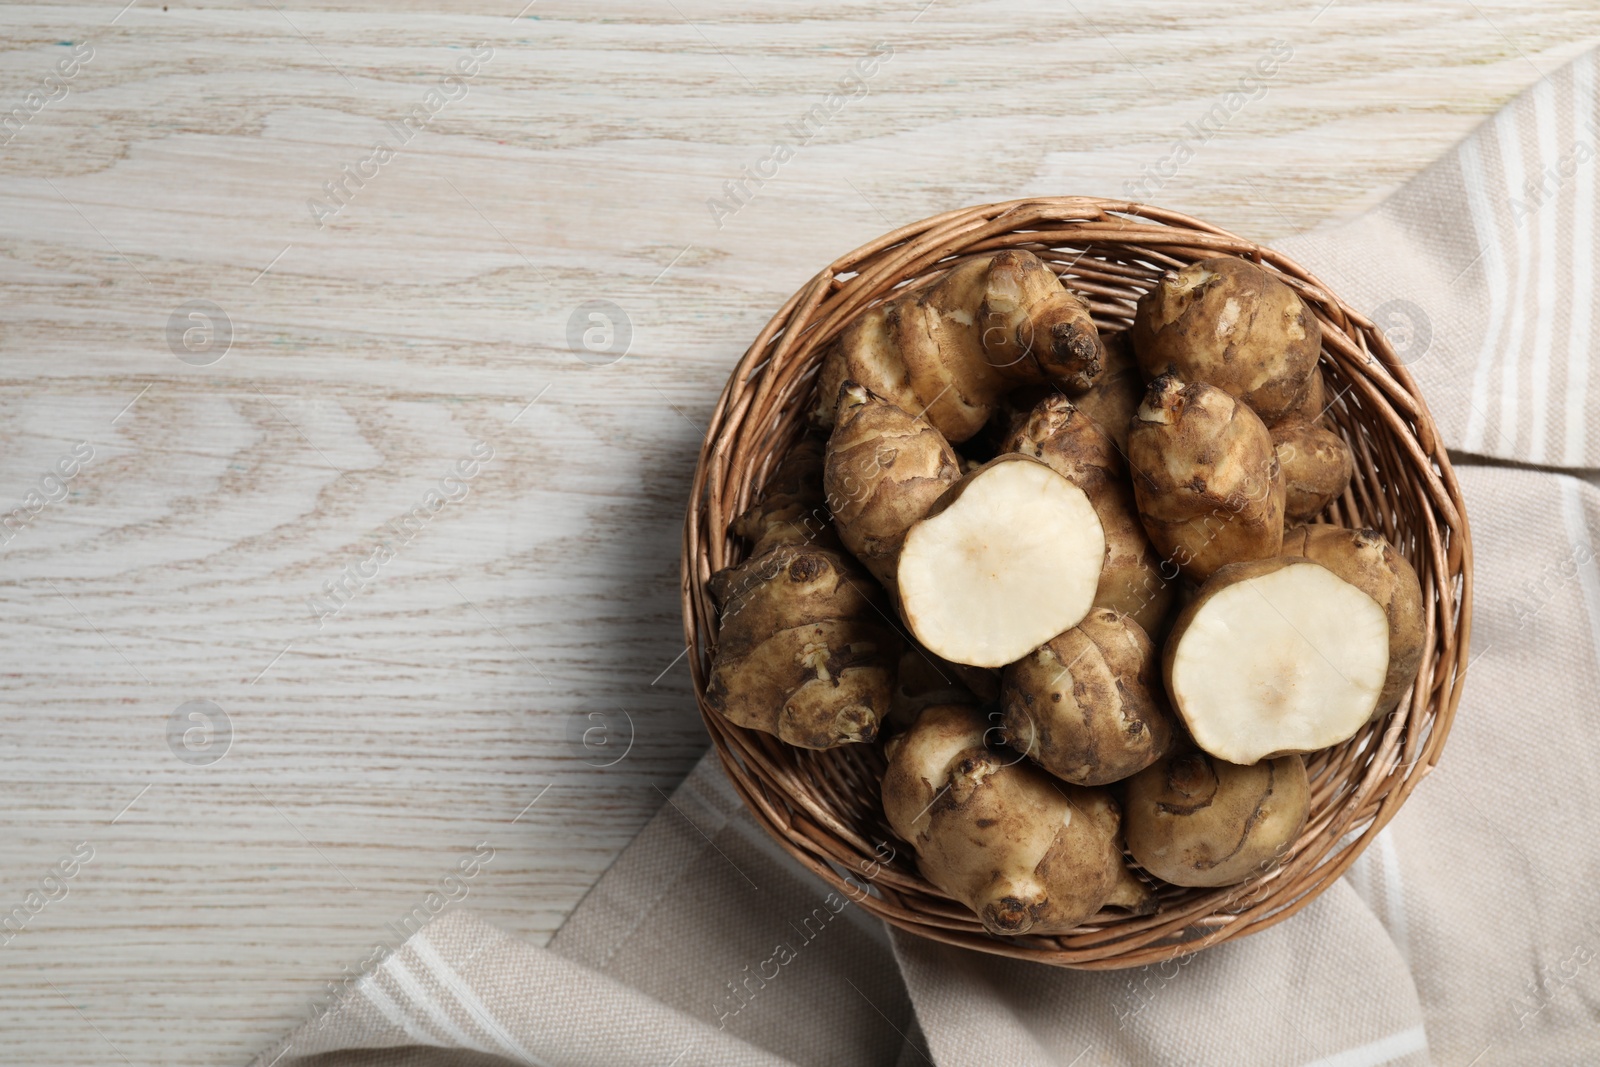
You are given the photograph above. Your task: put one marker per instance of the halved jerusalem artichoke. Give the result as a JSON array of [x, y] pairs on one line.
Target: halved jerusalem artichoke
[[1086, 705], [1205, 476], [1371, 564], [1196, 821], [1276, 656], [1009, 557], [1233, 324], [1026, 853], [1079, 450]]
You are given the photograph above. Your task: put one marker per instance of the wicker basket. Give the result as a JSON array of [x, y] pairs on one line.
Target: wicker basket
[[823, 807]]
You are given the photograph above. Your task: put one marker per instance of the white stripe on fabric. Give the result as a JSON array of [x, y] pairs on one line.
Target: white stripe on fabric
[[1514, 175], [1384, 1050], [430, 958], [375, 995], [419, 996], [1547, 283], [1582, 554], [1481, 208], [1394, 901], [1582, 270], [1362, 879]]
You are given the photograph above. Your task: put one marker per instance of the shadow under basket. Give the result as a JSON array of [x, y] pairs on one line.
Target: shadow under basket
[[824, 808]]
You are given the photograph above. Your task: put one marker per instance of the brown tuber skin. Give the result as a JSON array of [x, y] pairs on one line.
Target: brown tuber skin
[[1058, 433], [1370, 563], [1312, 404], [1086, 705], [883, 471], [791, 506], [1233, 324], [1026, 853], [1317, 466], [1034, 326], [804, 650], [951, 347], [1194, 820], [1206, 478], [1114, 397]]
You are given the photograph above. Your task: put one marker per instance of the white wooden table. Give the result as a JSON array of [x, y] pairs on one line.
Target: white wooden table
[[516, 642]]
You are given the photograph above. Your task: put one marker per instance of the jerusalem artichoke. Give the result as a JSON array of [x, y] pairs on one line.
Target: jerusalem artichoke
[[1205, 476], [1026, 853], [1316, 464], [1276, 656], [1232, 324], [1009, 557], [946, 350], [1086, 705], [1197, 821], [805, 650]]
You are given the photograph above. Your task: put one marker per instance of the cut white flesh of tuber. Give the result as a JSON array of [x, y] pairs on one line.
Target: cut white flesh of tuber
[[1287, 661], [1009, 558]]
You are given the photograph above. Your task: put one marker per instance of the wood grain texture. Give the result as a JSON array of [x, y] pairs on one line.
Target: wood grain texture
[[374, 749]]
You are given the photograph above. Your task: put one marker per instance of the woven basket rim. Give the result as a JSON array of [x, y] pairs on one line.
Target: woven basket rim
[[811, 802]]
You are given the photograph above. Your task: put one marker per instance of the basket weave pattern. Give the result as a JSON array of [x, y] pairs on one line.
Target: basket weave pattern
[[823, 807]]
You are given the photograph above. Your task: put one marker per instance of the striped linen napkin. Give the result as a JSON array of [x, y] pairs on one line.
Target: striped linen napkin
[[1481, 269], [1467, 935]]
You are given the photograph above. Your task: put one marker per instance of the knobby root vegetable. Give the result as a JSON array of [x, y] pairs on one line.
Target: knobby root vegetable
[[1371, 564], [1316, 464], [1026, 853], [805, 649], [1033, 325], [1114, 397], [949, 348], [1196, 821], [1234, 325], [1206, 478], [791, 508], [1312, 404], [1079, 450], [884, 470], [1009, 557], [1086, 704], [1276, 656]]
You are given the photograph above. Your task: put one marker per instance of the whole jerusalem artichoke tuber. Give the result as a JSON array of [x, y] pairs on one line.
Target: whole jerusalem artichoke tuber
[[805, 649], [1026, 853], [948, 349]]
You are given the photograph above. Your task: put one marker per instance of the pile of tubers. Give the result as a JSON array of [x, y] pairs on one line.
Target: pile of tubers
[[1096, 643]]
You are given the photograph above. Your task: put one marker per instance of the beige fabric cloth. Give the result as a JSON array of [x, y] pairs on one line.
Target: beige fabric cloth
[[1467, 935], [1482, 269], [646, 972]]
